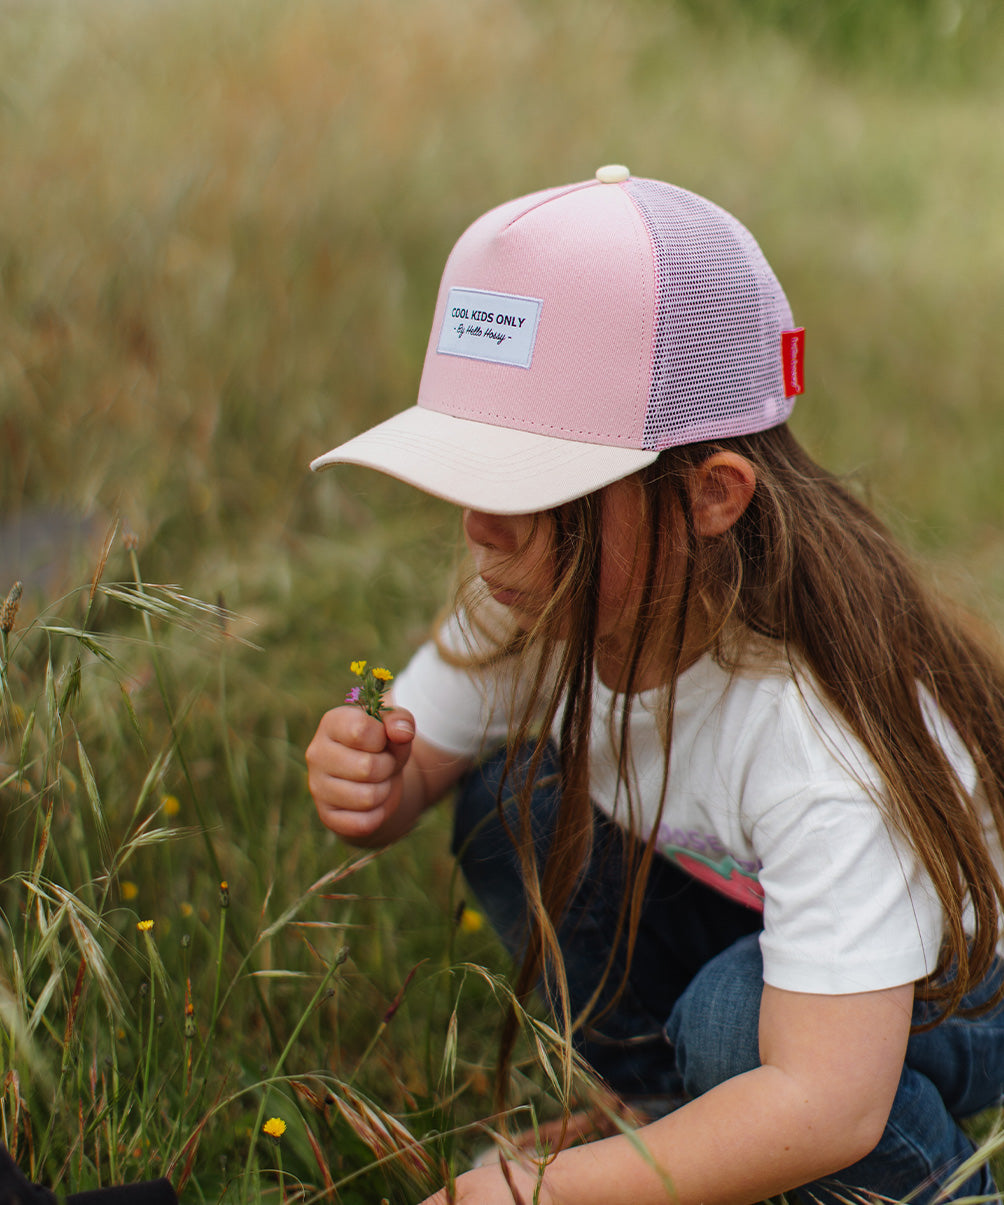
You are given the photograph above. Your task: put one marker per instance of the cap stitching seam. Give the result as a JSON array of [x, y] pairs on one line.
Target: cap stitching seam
[[539, 428], [567, 191], [657, 298]]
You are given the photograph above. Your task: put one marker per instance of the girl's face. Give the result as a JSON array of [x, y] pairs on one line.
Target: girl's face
[[513, 557]]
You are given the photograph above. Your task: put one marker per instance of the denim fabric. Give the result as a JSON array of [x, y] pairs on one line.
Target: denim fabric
[[697, 962], [628, 1047]]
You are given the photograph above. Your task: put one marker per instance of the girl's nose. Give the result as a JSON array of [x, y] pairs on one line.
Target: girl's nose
[[489, 531]]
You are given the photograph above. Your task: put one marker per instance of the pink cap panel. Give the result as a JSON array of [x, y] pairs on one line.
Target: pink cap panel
[[586, 373]]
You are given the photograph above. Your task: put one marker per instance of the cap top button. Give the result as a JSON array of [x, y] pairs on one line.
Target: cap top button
[[612, 173]]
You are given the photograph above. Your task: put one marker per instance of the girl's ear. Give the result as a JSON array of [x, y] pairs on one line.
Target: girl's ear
[[720, 490]]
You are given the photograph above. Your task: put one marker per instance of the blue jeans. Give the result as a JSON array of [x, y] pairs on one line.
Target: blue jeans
[[688, 1016]]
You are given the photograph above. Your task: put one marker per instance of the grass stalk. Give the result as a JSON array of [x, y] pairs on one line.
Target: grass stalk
[[318, 995], [165, 696], [206, 1054], [151, 1037]]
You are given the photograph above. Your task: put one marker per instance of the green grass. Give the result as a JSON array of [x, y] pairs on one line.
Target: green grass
[[221, 230], [184, 957]]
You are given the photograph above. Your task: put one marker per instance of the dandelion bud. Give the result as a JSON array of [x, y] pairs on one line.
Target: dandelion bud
[[8, 611], [224, 894]]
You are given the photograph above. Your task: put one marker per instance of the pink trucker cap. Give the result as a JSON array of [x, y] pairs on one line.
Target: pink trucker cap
[[578, 332]]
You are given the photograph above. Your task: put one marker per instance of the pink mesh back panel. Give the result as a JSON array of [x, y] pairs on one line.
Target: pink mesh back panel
[[720, 311]]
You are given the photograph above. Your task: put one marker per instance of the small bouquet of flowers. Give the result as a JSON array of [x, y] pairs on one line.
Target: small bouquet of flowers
[[369, 693]]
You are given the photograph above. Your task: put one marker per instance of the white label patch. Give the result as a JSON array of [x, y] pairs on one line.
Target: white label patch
[[490, 326]]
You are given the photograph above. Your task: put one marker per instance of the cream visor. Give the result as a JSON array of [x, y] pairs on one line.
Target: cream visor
[[498, 470]]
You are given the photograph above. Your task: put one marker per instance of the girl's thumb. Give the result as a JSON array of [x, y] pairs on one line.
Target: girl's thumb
[[400, 726]]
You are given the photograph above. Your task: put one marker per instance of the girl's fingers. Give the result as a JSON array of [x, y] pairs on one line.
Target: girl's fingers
[[353, 826], [350, 746], [354, 768], [355, 810], [356, 765], [353, 727], [354, 796]]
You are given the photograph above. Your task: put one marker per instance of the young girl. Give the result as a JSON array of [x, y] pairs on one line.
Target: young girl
[[729, 778]]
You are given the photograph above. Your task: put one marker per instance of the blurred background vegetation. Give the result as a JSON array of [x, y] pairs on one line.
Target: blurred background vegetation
[[222, 224]]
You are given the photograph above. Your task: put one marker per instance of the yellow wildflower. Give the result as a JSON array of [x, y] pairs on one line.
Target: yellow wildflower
[[170, 805], [471, 921], [275, 1127], [129, 889], [369, 693], [144, 926]]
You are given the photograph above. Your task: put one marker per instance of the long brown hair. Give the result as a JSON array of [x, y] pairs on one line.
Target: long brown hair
[[811, 572]]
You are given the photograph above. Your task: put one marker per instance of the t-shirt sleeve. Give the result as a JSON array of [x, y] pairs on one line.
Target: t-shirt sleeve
[[461, 711], [848, 906]]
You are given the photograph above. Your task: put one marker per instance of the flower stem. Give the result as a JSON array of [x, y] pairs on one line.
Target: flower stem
[[318, 995]]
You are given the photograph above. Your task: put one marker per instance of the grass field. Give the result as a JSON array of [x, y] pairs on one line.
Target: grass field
[[221, 230]]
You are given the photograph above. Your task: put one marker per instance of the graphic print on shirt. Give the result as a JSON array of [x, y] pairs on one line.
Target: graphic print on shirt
[[703, 857]]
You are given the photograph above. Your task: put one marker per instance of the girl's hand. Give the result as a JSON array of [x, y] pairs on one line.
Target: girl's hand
[[355, 769], [488, 1186], [818, 1103]]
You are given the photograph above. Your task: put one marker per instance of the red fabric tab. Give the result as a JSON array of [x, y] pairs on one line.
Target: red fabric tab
[[793, 361]]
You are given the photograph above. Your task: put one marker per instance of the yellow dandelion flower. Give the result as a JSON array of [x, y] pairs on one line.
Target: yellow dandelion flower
[[128, 889], [144, 926], [357, 667], [275, 1127], [383, 675], [186, 909], [471, 921], [170, 805]]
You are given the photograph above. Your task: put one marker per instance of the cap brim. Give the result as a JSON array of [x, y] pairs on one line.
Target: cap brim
[[484, 467]]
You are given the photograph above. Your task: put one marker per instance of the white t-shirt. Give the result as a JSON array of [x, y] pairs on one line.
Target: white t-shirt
[[770, 800]]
